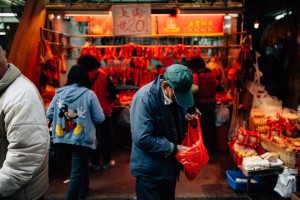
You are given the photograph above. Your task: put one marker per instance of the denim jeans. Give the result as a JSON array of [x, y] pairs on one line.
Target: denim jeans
[[79, 180]]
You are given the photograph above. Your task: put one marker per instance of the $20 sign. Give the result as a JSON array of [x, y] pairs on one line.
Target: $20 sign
[[131, 20]]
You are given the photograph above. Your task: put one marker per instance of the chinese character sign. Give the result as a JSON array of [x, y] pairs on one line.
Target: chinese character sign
[[131, 19]]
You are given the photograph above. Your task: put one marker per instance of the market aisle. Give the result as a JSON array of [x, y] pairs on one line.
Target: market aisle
[[117, 183]]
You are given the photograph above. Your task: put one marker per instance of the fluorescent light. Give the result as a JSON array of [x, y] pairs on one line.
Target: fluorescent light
[[233, 15], [227, 17], [2, 33], [280, 16], [7, 15]]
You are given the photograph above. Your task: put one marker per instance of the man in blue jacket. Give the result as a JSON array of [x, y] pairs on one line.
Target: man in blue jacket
[[158, 121]]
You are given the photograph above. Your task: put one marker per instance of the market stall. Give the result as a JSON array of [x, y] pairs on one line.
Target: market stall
[[134, 55], [261, 125]]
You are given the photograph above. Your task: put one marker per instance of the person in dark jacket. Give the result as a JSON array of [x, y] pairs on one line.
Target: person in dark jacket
[[204, 90], [158, 122]]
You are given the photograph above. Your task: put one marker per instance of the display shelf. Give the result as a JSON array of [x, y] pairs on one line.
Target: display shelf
[[289, 158], [262, 172], [171, 45]]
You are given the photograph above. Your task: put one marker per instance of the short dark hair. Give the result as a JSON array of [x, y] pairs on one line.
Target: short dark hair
[[78, 74], [89, 62], [196, 63]]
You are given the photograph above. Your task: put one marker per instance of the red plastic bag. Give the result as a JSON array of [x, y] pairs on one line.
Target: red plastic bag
[[195, 158]]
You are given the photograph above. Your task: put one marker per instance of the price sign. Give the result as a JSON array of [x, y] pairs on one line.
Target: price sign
[[131, 19]]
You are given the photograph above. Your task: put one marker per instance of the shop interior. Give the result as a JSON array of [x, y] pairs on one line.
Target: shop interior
[[134, 60]]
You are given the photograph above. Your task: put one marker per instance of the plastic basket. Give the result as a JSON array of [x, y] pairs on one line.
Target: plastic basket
[[242, 186]]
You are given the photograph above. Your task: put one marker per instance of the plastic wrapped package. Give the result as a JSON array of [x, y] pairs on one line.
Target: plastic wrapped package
[[221, 115]]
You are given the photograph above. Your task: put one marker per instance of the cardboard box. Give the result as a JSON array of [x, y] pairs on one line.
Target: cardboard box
[[296, 196], [290, 159]]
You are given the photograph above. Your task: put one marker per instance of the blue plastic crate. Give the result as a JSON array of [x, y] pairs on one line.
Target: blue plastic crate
[[242, 186]]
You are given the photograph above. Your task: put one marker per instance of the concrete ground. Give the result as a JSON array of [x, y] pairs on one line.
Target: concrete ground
[[117, 183]]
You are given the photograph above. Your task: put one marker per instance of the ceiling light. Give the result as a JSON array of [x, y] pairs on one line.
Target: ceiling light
[[280, 16], [227, 17], [8, 14], [256, 24]]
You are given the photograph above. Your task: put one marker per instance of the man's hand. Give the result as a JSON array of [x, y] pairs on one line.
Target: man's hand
[[192, 118]]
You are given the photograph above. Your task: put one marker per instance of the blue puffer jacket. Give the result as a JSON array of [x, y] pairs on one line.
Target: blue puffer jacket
[[153, 130]]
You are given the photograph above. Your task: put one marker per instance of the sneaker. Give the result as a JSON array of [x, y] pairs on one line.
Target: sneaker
[[106, 166]]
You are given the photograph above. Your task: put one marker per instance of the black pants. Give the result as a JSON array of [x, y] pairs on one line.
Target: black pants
[[149, 189], [104, 137]]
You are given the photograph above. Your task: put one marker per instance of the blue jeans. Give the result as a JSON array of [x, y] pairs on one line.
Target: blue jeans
[[79, 180]]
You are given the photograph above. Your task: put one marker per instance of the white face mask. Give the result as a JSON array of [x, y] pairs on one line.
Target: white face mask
[[168, 101]]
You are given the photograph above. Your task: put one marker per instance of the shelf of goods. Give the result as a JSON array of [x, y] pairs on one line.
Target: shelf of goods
[[243, 145], [125, 94], [279, 133], [288, 155]]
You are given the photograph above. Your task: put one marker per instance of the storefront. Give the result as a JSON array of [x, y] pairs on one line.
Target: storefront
[[135, 42]]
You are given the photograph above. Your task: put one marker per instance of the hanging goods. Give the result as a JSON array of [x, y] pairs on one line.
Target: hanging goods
[[196, 157]]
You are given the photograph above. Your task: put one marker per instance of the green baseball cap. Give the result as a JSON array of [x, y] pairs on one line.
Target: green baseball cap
[[180, 79]]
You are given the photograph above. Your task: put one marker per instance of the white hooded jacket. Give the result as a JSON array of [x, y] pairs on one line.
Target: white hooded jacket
[[24, 139]]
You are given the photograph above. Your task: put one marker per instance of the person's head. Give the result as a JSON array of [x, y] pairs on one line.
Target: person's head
[[3, 63], [78, 74], [89, 62], [177, 84], [196, 63]]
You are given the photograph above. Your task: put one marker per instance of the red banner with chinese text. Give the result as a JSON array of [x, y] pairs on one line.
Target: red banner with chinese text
[[188, 24]]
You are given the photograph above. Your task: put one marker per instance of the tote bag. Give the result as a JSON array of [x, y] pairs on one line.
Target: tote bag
[[196, 157]]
